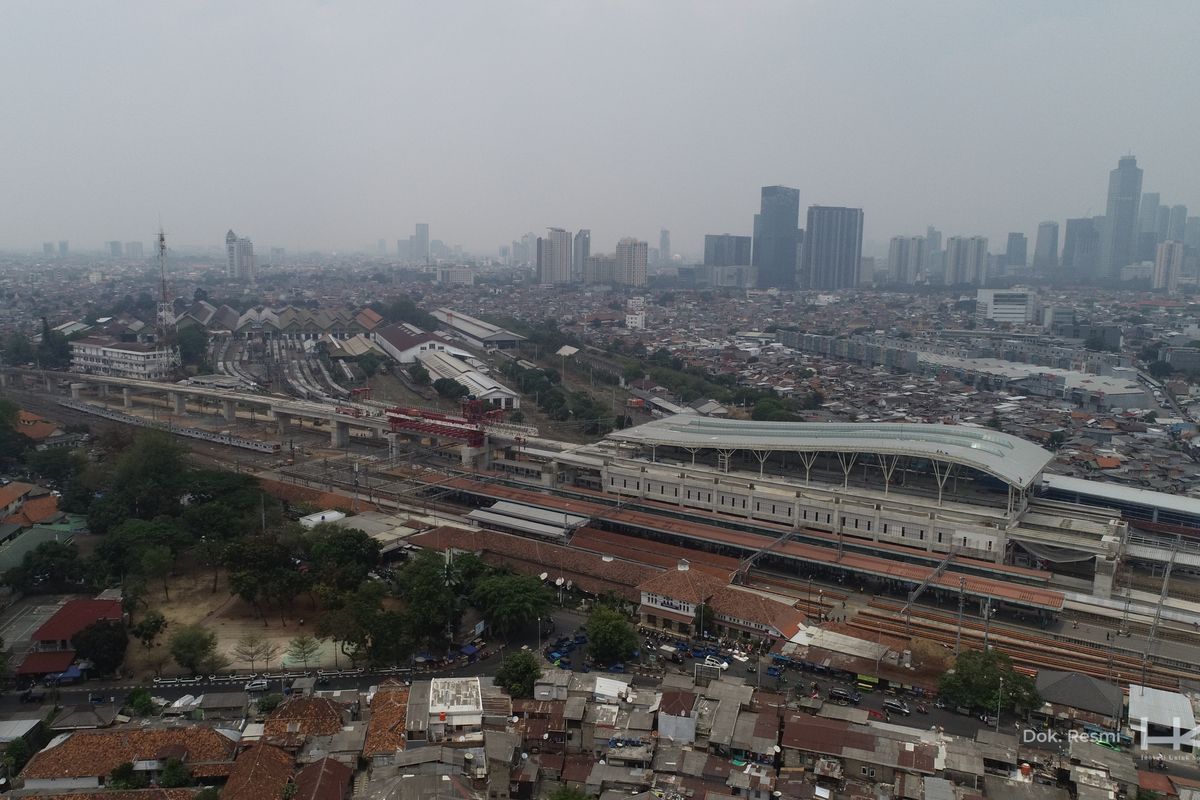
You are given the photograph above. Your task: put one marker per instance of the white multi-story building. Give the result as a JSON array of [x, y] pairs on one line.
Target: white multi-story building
[[1015, 306], [966, 260], [631, 262], [456, 276], [239, 258], [97, 355], [1168, 265], [906, 258], [554, 255]]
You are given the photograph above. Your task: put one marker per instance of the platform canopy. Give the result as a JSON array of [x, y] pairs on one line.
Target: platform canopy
[[1008, 458]]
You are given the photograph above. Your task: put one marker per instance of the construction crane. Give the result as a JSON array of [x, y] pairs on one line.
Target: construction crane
[[1162, 600]]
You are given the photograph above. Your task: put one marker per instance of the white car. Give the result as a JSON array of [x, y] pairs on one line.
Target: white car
[[713, 661], [257, 685]]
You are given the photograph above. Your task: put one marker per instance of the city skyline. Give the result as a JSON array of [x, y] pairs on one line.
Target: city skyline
[[341, 172]]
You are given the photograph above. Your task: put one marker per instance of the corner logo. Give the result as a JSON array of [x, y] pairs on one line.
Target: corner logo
[[1179, 738]]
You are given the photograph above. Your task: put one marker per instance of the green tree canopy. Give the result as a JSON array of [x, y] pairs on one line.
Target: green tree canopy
[[611, 638], [191, 646], [103, 643], [509, 602], [518, 673], [174, 775], [341, 557], [975, 682]]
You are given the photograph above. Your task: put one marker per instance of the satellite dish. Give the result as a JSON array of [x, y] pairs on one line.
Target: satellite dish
[[568, 584], [545, 736], [558, 581], [778, 749], [515, 720], [543, 576], [524, 756]]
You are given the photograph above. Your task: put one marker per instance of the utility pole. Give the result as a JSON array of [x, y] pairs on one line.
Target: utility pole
[[962, 596], [999, 698], [987, 622]]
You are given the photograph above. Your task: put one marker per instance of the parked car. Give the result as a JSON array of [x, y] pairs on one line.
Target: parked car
[[844, 696], [257, 685], [34, 694], [896, 706], [713, 661]]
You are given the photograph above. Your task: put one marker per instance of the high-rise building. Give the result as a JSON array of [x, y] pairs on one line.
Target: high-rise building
[[1045, 251], [133, 250], [1148, 212], [418, 244], [966, 260], [1168, 265], [115, 250], [933, 250], [47, 248], [64, 248], [554, 255], [726, 250], [582, 250], [664, 246], [777, 237], [1191, 233], [600, 269], [402, 249], [631, 262], [1177, 224], [1016, 254], [1081, 247], [239, 258], [1118, 243], [832, 248], [906, 258]]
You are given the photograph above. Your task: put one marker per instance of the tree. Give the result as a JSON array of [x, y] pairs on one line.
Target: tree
[[565, 792], [1056, 439], [18, 349], [251, 649], [418, 373], [303, 648], [174, 775], [15, 755], [509, 602], [207, 793], [48, 567], [975, 682], [191, 645], [433, 606], [193, 345], [124, 776], [140, 702], [156, 563], [103, 643], [369, 363], [450, 388], [148, 628], [268, 703], [341, 557], [1159, 369], [518, 673], [994, 421], [611, 638]]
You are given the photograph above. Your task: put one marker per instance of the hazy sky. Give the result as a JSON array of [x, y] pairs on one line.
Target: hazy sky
[[330, 125]]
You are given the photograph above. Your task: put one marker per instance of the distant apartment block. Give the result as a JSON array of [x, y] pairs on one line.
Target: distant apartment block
[[1013, 306], [456, 276], [239, 258]]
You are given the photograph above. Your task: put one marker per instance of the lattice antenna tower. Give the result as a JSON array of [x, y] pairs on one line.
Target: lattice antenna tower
[[166, 309]]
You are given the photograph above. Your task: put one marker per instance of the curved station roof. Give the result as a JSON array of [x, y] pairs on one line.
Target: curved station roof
[[1008, 458]]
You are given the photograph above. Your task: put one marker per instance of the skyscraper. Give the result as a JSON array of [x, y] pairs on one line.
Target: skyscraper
[[115, 250], [133, 250], [1118, 244], [1148, 212], [832, 248], [1177, 224], [1045, 252], [664, 246], [1081, 248], [726, 250], [631, 262], [1168, 265], [906, 258], [777, 237], [582, 250], [1191, 233], [1163, 222], [933, 249], [47, 248], [239, 258], [418, 244], [1016, 254], [64, 248], [966, 260], [554, 257]]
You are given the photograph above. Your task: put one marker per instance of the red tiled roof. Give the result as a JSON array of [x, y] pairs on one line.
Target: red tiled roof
[[34, 510], [130, 794], [389, 715], [13, 492], [260, 772], [1156, 782], [35, 427], [686, 585], [74, 617], [89, 754], [368, 318], [44, 663], [301, 717], [326, 779]]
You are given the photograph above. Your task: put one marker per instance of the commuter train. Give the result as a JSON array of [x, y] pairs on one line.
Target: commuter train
[[223, 437]]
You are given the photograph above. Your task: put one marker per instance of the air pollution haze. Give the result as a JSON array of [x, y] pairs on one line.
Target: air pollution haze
[[331, 125]]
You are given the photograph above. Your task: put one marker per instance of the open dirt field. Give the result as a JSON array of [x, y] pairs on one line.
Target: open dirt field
[[193, 601]]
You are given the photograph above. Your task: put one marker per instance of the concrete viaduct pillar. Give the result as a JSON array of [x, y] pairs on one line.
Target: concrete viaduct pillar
[[127, 394], [3, 380], [77, 390], [229, 407], [283, 421], [339, 434], [178, 403], [49, 386]]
